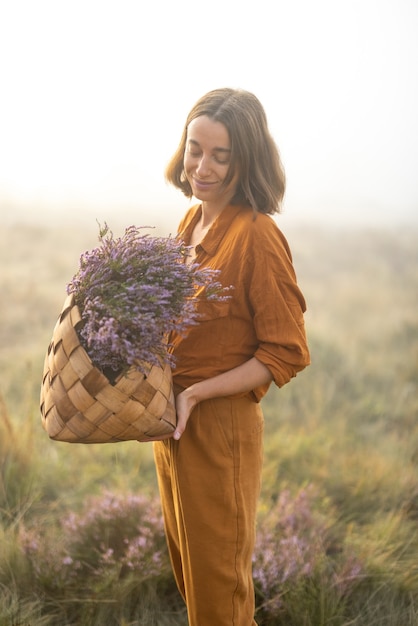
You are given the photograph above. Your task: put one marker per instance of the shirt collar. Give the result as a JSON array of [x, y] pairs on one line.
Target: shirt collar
[[213, 238]]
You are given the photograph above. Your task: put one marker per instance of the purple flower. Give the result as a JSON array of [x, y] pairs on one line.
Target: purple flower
[[133, 291]]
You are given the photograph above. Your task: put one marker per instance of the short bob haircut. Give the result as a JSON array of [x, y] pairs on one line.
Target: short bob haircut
[[254, 154]]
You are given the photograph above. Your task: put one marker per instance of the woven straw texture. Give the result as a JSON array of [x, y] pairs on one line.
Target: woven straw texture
[[79, 404]]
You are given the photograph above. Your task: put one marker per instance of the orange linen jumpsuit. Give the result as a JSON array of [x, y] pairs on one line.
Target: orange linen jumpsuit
[[209, 480]]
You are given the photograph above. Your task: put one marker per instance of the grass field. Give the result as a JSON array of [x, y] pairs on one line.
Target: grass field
[[81, 541]]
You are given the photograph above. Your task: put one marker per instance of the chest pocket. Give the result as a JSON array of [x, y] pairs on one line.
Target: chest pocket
[[212, 310], [212, 335]]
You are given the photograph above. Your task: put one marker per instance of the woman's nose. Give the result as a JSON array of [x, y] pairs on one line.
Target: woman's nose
[[203, 166]]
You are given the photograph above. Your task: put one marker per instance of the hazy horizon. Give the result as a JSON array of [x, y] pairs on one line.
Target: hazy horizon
[[95, 96], [165, 216]]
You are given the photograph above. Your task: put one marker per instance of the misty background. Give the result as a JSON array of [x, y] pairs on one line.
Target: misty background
[[95, 95]]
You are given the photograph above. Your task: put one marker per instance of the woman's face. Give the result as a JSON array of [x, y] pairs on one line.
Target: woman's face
[[206, 161]]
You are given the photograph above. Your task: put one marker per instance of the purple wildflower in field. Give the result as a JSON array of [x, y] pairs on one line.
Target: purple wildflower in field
[[115, 535], [124, 532], [292, 546], [288, 545], [133, 291]]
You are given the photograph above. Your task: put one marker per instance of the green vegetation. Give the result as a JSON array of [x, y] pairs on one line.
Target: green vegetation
[[81, 541]]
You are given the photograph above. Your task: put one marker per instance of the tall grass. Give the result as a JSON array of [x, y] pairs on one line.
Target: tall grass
[[81, 540]]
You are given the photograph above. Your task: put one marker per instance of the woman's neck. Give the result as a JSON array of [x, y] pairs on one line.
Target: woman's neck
[[210, 212]]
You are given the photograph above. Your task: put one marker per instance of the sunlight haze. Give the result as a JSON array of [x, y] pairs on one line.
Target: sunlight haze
[[95, 94]]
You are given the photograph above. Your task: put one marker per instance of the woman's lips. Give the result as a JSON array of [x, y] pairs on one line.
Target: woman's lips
[[202, 184]]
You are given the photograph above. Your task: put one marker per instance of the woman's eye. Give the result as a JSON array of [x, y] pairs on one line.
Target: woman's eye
[[197, 154]]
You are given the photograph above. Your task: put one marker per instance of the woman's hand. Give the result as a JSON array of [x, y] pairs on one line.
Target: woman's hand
[[185, 403], [239, 380]]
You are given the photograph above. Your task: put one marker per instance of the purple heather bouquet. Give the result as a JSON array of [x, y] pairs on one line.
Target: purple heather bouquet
[[134, 290]]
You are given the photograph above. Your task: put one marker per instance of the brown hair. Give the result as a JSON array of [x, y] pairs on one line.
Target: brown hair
[[254, 153]]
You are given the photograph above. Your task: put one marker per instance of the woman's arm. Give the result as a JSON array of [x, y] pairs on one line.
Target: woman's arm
[[241, 379]]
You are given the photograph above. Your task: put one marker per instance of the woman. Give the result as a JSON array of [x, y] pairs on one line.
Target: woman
[[209, 472]]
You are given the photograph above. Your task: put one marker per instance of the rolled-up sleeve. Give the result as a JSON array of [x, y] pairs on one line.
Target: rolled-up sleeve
[[278, 306]]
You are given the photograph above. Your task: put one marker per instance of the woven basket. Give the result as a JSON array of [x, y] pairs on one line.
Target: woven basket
[[80, 405]]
